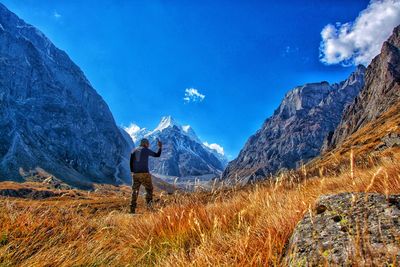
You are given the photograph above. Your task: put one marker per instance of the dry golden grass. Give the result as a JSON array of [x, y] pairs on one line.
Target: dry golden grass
[[362, 143], [227, 227]]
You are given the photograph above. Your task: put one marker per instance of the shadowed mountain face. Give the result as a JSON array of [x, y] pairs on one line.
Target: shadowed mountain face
[[381, 91], [183, 153], [296, 131], [50, 116]]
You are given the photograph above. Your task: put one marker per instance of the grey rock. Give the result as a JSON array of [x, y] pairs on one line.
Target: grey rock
[[50, 115], [391, 140], [346, 230], [388, 141], [28, 193], [296, 132], [380, 93]]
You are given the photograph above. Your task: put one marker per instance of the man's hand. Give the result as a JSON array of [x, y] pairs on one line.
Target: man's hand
[[159, 144]]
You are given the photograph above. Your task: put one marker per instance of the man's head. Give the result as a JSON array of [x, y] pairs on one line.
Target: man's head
[[144, 142]]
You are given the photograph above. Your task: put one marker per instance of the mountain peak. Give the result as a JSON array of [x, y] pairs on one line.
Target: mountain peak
[[188, 130], [166, 122], [135, 132], [169, 122]]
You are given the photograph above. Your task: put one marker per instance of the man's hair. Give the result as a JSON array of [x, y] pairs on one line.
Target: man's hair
[[144, 142]]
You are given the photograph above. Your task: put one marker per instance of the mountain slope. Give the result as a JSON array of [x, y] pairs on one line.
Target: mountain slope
[[380, 93], [183, 152], [370, 126], [296, 131], [50, 116]]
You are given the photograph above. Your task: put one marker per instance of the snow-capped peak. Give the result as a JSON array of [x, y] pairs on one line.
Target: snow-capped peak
[[188, 130], [135, 132], [166, 121], [132, 129]]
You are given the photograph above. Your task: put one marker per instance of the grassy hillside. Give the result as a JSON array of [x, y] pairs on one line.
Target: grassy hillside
[[365, 145]]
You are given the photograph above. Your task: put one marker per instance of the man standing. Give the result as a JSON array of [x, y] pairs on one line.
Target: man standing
[[139, 164]]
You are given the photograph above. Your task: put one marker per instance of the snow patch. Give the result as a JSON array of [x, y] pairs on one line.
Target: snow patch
[[219, 149], [135, 132], [186, 128]]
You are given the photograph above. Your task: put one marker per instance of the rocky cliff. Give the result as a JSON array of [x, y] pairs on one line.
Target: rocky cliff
[[296, 131], [381, 91], [50, 115]]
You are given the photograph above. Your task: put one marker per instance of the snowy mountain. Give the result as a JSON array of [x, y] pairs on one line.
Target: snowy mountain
[[184, 154], [135, 132]]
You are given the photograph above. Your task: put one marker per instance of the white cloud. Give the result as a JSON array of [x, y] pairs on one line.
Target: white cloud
[[193, 95], [215, 147], [56, 14], [360, 41]]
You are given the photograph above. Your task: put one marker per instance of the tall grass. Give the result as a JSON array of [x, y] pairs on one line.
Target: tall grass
[[226, 227]]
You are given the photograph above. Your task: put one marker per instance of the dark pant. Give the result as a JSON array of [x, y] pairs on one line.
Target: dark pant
[[139, 179]]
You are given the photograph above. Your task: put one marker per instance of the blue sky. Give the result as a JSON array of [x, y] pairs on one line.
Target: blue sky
[[242, 56]]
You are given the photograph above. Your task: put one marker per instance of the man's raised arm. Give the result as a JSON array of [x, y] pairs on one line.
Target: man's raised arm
[[158, 154]]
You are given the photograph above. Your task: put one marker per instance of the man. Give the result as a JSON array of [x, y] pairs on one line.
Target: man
[[139, 164]]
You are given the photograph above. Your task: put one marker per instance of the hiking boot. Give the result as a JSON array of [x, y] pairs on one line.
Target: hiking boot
[[132, 210]]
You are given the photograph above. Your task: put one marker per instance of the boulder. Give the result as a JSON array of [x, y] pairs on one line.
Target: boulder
[[348, 229]]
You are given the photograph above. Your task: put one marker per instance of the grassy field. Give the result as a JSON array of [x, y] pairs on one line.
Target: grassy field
[[237, 226]]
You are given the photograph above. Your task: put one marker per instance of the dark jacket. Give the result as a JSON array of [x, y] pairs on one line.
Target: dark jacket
[[139, 162]]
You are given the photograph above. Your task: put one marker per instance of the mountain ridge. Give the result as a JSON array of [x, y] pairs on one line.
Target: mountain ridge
[[297, 129], [381, 91]]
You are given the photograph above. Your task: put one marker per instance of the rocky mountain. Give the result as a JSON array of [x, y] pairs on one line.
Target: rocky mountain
[[50, 116], [381, 91], [296, 131], [184, 155]]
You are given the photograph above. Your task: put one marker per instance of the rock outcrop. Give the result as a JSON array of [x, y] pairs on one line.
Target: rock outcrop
[[389, 141], [50, 115], [347, 230], [29, 193], [296, 131], [381, 91]]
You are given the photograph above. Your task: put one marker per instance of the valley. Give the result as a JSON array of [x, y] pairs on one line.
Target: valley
[[318, 184]]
